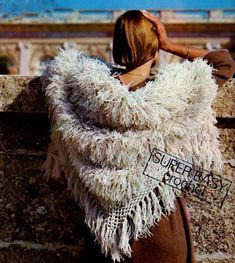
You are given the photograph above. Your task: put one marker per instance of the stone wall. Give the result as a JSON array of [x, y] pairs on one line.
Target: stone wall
[[39, 222]]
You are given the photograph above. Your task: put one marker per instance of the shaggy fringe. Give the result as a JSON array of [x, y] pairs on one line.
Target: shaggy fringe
[[113, 230], [103, 135]]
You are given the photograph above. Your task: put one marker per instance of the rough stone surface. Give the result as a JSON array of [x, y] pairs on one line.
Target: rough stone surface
[[224, 104], [213, 227], [39, 222], [25, 132], [21, 93], [215, 257]]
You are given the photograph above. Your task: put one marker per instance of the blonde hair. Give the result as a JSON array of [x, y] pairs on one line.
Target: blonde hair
[[135, 41]]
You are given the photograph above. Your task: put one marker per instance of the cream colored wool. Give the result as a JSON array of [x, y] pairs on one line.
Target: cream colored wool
[[103, 135]]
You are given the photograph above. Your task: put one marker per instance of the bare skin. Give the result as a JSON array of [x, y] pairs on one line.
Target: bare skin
[[137, 75], [141, 73]]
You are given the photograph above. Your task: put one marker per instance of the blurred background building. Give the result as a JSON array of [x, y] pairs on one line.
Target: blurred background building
[[32, 31]]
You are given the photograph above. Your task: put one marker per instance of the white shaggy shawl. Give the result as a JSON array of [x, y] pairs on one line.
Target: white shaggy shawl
[[103, 135]]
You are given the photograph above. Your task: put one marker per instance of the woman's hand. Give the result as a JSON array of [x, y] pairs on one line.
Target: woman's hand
[[181, 50], [160, 30]]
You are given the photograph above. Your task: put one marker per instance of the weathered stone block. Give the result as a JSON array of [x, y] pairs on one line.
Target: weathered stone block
[[21, 93], [224, 104], [213, 228]]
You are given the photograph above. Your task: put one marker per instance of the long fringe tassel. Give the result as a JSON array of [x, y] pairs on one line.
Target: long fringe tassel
[[111, 231]]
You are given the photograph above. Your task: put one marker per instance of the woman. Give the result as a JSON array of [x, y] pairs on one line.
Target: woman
[[105, 128], [123, 48]]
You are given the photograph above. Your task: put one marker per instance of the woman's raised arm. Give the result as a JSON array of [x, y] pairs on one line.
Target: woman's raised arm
[[181, 50], [221, 60]]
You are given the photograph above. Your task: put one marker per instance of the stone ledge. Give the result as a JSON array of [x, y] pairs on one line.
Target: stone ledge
[[224, 104], [21, 94], [25, 94], [215, 258]]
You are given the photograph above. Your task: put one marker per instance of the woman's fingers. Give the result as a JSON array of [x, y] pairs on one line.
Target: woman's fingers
[[151, 17], [157, 23], [159, 28]]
